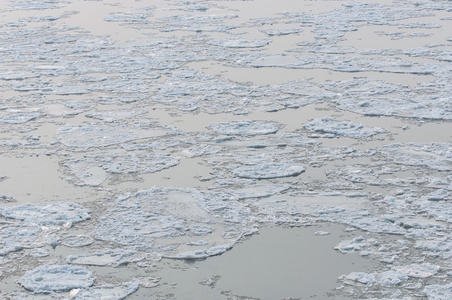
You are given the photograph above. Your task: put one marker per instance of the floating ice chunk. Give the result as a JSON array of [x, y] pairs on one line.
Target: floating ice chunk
[[137, 228], [77, 241], [245, 128], [240, 43], [17, 75], [15, 238], [152, 218], [259, 191], [86, 172], [56, 278], [115, 115], [20, 118], [104, 258], [388, 278], [88, 136], [38, 252], [107, 292], [438, 292], [437, 156], [357, 244], [140, 162], [202, 254], [435, 248], [201, 150], [423, 270], [438, 195], [55, 213], [198, 23], [36, 5], [321, 233], [440, 183], [33, 296], [440, 210], [269, 171], [342, 128], [128, 18], [276, 60], [280, 32]]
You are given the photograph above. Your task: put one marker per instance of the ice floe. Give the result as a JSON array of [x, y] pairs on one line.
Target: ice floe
[[56, 213], [89, 101], [104, 258], [342, 128], [245, 128], [438, 292], [51, 214], [77, 240], [49, 278], [88, 136], [268, 171], [113, 292]]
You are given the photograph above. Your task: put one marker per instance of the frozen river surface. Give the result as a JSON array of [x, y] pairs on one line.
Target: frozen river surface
[[225, 149]]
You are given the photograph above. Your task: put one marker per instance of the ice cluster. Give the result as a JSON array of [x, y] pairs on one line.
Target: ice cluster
[[160, 142]]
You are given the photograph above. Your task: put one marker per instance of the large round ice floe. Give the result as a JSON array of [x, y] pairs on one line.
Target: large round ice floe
[[342, 128], [268, 171], [244, 128], [57, 213], [56, 278]]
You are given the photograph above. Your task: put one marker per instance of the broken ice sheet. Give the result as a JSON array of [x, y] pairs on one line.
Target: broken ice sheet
[[113, 292], [94, 169], [36, 5], [437, 156], [85, 172], [240, 43], [83, 137], [387, 278], [342, 128], [15, 237], [259, 191], [201, 150], [113, 258], [245, 127], [147, 219], [57, 278], [381, 98], [280, 32], [77, 241], [19, 118], [197, 23], [139, 162], [438, 291], [269, 171], [423, 270], [50, 214], [115, 115], [138, 16]]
